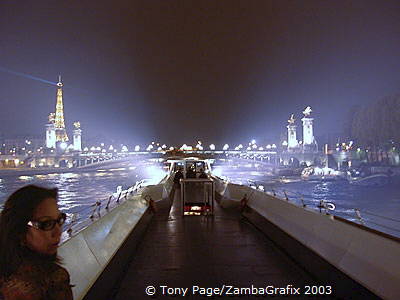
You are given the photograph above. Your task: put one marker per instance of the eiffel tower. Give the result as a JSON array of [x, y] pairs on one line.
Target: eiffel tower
[[61, 134]]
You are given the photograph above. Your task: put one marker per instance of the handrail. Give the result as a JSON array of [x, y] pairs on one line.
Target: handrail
[[77, 220], [323, 204], [376, 215]]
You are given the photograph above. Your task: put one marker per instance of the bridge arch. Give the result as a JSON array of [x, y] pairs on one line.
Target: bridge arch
[[294, 162], [63, 163]]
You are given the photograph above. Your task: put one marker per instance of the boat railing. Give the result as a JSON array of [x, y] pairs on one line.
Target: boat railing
[[82, 218], [353, 214]]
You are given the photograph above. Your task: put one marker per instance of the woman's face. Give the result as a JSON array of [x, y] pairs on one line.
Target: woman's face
[[45, 242]]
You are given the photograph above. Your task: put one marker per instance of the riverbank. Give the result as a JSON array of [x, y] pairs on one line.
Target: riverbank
[[45, 171]]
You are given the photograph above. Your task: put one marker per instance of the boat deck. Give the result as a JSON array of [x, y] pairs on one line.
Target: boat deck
[[209, 252]]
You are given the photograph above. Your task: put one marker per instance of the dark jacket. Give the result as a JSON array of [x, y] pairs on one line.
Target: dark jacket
[[178, 176], [190, 174], [32, 281], [203, 175]]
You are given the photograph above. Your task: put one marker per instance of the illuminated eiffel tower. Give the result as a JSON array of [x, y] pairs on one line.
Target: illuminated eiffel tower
[[61, 134]]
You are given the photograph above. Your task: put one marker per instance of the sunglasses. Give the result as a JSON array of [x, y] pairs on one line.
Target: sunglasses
[[48, 224]]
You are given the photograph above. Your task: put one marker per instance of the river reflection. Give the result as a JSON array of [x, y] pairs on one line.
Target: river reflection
[[82, 189], [379, 206], [79, 191]]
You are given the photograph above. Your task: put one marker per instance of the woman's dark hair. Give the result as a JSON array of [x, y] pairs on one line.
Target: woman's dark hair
[[17, 212]]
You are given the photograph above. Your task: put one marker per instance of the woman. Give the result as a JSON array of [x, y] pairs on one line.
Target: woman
[[30, 231]]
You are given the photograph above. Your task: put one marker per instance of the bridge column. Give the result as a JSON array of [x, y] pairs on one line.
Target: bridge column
[[308, 135], [292, 143]]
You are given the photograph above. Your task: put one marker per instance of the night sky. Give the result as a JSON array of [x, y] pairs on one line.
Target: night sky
[[178, 71]]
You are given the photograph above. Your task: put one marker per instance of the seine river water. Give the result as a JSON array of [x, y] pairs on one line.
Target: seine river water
[[379, 206], [78, 191]]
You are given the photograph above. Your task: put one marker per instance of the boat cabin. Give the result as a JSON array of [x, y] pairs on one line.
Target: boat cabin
[[196, 186], [190, 165]]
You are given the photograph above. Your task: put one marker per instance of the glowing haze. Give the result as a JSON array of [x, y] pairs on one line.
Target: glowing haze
[[178, 71]]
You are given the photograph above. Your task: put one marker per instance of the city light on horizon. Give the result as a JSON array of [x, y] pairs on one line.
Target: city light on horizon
[[117, 97], [141, 104]]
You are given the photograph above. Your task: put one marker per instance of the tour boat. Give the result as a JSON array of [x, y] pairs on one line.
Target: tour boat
[[201, 234], [321, 174], [372, 180]]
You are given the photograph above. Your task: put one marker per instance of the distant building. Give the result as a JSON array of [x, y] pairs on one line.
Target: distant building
[[2, 144], [56, 134], [331, 138], [51, 132], [22, 145], [292, 143], [61, 133], [77, 137], [309, 142]]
